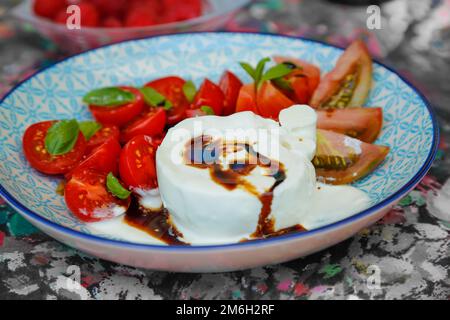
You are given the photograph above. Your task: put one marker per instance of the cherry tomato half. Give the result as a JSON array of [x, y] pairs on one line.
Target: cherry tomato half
[[87, 197], [119, 115], [230, 85], [104, 158], [101, 136], [271, 101], [247, 99], [172, 89], [209, 94], [41, 160], [151, 123], [137, 163]]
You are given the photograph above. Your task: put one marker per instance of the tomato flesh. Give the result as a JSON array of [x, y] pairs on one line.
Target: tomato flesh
[[246, 100], [270, 101], [303, 80], [230, 85], [41, 160], [172, 89], [88, 199], [348, 84], [209, 94], [101, 136], [104, 158], [341, 159], [151, 123], [120, 115], [360, 123], [137, 163]]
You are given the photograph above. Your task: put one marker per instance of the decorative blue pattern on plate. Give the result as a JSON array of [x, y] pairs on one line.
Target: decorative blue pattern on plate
[[56, 94]]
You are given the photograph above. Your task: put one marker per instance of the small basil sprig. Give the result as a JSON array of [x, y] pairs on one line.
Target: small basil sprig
[[89, 128], [189, 90], [109, 97], [258, 74], [154, 98], [207, 110], [61, 137], [115, 187]]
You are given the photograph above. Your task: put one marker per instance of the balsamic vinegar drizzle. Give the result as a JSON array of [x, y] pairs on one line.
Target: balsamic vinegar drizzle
[[203, 152]]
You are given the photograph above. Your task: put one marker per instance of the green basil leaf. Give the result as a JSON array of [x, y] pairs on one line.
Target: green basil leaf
[[249, 69], [115, 187], [208, 110], [152, 97], [282, 83], [189, 90], [108, 97], [89, 128], [260, 70], [278, 71], [61, 137], [167, 105]]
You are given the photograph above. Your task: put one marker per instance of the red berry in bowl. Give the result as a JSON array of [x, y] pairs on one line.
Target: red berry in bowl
[[48, 8]]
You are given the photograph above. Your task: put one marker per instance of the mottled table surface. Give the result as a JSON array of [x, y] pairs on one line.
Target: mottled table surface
[[404, 256]]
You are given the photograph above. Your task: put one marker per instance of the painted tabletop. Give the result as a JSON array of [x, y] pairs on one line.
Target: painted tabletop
[[406, 255]]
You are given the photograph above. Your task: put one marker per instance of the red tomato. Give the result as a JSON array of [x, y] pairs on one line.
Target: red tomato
[[304, 81], [151, 124], [140, 17], [112, 8], [104, 158], [119, 115], [87, 197], [361, 123], [348, 84], [192, 113], [112, 22], [48, 8], [89, 14], [172, 89], [137, 163], [175, 10], [41, 160], [209, 94], [102, 136], [247, 99], [271, 101], [230, 85], [340, 159]]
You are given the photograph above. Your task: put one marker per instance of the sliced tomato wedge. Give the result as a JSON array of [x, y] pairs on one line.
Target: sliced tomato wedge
[[137, 163], [104, 159], [303, 80], [172, 89], [151, 123], [41, 160], [247, 99], [209, 94], [101, 136], [271, 101], [360, 123], [348, 84], [230, 85], [119, 115], [341, 159], [88, 199]]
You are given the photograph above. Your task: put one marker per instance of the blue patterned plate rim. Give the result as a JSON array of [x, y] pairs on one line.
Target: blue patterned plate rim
[[270, 241]]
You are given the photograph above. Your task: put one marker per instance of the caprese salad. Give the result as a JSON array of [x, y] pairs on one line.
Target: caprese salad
[[121, 166]]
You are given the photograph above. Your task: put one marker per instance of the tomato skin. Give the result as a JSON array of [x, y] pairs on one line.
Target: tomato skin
[[356, 58], [209, 94], [104, 159], [151, 123], [172, 88], [192, 113], [175, 10], [48, 8], [41, 160], [120, 115], [246, 100], [230, 85], [360, 123], [137, 164], [101, 136], [331, 143], [271, 101], [87, 197]]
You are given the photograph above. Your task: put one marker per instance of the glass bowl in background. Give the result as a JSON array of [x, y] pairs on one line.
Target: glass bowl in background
[[216, 14]]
